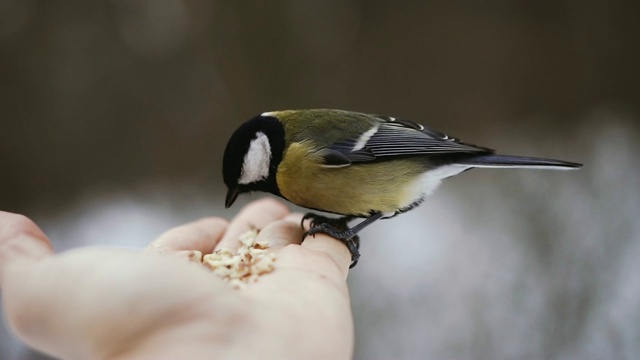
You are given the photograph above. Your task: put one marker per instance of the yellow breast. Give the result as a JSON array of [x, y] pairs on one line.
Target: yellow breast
[[356, 189]]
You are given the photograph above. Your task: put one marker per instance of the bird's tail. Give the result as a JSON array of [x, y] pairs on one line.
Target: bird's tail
[[509, 161]]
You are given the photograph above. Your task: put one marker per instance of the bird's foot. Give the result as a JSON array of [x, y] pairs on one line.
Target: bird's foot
[[340, 223], [336, 228]]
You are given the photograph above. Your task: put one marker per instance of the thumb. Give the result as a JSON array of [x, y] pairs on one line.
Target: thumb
[[20, 240]]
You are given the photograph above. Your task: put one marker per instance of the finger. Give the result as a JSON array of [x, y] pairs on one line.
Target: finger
[[335, 249], [283, 232], [202, 235], [295, 217], [256, 215], [20, 239]]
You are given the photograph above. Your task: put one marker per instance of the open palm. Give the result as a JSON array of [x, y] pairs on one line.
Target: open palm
[[112, 303]]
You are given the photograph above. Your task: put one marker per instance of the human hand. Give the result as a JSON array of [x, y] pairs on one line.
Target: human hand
[[100, 302]]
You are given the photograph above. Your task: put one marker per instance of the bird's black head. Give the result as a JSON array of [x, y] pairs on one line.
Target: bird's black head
[[252, 157]]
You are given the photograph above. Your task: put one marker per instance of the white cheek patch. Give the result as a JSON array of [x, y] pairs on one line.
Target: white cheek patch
[[255, 166], [364, 138]]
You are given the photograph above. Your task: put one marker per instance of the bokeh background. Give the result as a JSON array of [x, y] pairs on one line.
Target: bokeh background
[[114, 116]]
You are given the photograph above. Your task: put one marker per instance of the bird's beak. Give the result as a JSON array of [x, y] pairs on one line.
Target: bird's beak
[[232, 195]]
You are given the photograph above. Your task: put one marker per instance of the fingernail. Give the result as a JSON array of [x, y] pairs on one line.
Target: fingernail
[[24, 247]]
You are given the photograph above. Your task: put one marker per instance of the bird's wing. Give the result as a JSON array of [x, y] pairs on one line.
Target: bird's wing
[[393, 137]]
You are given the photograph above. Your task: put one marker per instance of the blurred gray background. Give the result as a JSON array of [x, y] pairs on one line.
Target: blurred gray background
[[115, 115]]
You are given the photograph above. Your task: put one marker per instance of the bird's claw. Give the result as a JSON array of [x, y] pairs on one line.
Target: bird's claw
[[336, 228]]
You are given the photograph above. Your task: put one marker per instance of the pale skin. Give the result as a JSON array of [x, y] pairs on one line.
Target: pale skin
[[106, 303]]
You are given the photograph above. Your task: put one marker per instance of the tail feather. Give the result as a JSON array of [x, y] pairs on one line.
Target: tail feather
[[509, 161]]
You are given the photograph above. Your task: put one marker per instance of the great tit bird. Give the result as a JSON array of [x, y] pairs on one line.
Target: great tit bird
[[352, 164]]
